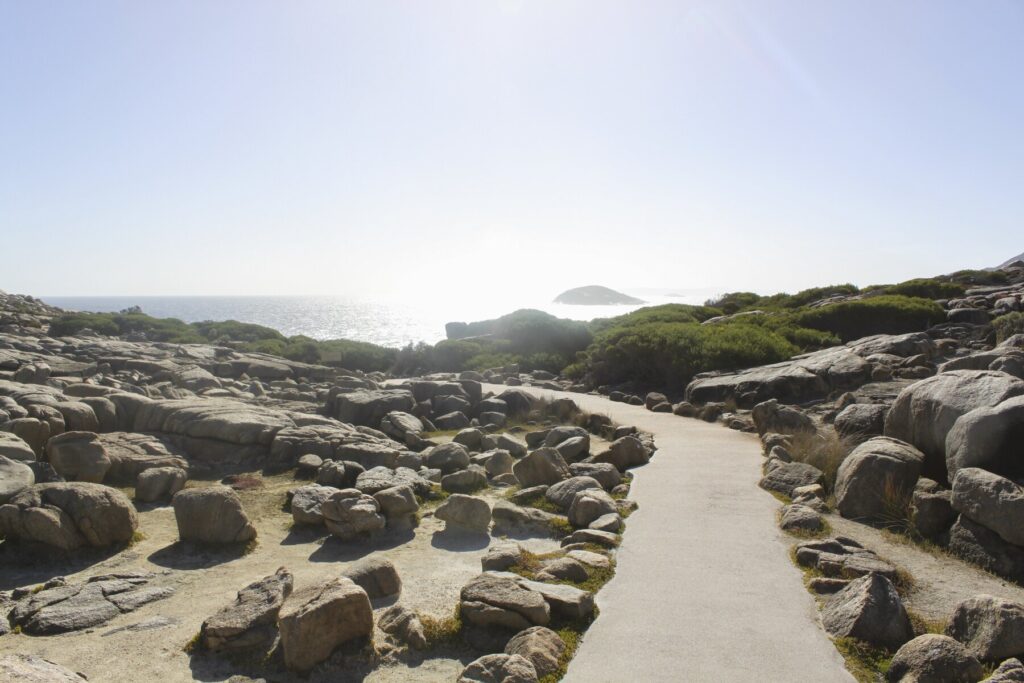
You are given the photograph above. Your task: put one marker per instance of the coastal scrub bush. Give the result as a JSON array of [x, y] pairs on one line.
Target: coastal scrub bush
[[851, 320], [232, 330], [927, 288], [1008, 325], [670, 354], [116, 324]]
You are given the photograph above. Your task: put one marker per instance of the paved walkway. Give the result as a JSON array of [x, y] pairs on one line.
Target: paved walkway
[[704, 589]]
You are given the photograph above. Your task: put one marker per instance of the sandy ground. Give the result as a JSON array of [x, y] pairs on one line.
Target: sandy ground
[[148, 644], [940, 580]]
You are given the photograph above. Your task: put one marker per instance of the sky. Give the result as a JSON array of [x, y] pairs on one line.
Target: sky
[[434, 149]]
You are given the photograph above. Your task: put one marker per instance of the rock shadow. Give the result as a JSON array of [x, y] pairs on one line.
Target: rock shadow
[[26, 563], [335, 549], [186, 555], [305, 533], [460, 541]]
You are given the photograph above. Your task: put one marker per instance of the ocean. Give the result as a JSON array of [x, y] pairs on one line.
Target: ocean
[[334, 317]]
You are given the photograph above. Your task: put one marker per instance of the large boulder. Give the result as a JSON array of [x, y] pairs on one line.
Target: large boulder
[[251, 620], [14, 447], [869, 609], [624, 452], [213, 515], [1010, 671], [78, 456], [934, 658], [925, 412], [398, 505], [987, 549], [499, 601], [69, 515], [991, 628], [15, 477], [399, 425], [773, 417], [877, 477], [465, 512], [860, 421], [307, 501], [318, 619], [499, 668], [539, 644], [159, 483], [448, 457], [543, 466], [989, 437], [350, 513], [131, 454], [589, 505], [786, 477], [404, 624], [368, 407], [377, 576], [562, 494], [992, 501]]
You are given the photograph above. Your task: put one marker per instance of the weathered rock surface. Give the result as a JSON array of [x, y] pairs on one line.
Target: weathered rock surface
[[925, 412], [318, 619], [250, 622], [543, 466], [404, 624], [542, 646], [991, 628], [78, 456], [377, 576], [933, 658], [992, 501], [15, 476], [624, 453], [988, 437], [869, 609], [69, 515], [349, 513], [213, 515], [878, 476], [791, 475], [499, 668], [159, 483], [26, 668], [465, 512]]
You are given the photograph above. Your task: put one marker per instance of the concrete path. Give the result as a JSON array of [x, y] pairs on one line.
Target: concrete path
[[704, 589]]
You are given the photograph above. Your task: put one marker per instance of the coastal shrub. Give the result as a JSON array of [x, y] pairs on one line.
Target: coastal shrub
[[980, 277], [734, 302], [667, 313], [670, 354], [345, 353], [927, 288], [117, 324], [232, 330], [1008, 325], [851, 320]]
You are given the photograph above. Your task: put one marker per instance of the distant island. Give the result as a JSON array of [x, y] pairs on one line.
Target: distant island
[[595, 295]]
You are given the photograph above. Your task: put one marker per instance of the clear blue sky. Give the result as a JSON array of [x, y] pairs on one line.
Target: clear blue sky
[[453, 149]]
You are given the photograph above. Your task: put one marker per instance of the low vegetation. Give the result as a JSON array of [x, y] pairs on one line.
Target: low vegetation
[[1008, 325]]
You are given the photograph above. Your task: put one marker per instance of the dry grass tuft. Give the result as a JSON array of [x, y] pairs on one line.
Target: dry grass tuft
[[825, 450]]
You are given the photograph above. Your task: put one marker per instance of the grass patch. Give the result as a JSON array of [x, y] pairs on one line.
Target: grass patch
[[572, 636], [194, 643], [531, 564], [825, 450], [922, 626], [137, 537], [442, 631], [868, 663]]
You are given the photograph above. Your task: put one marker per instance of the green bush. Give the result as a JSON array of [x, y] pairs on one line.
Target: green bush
[[156, 329], [734, 302], [851, 320], [927, 288], [233, 330], [669, 354], [1008, 325]]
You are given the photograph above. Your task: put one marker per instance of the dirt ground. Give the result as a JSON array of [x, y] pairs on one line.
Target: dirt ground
[[941, 581], [149, 644]]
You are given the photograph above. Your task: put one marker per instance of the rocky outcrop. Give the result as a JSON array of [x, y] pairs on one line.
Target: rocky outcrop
[[69, 516], [369, 407], [992, 501], [250, 622], [925, 412], [25, 668], [988, 437], [868, 609], [349, 513], [212, 515], [936, 658], [877, 478], [991, 628], [497, 601], [318, 619], [15, 476], [62, 607]]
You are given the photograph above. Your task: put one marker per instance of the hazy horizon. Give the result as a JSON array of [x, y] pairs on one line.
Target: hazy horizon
[[504, 149]]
